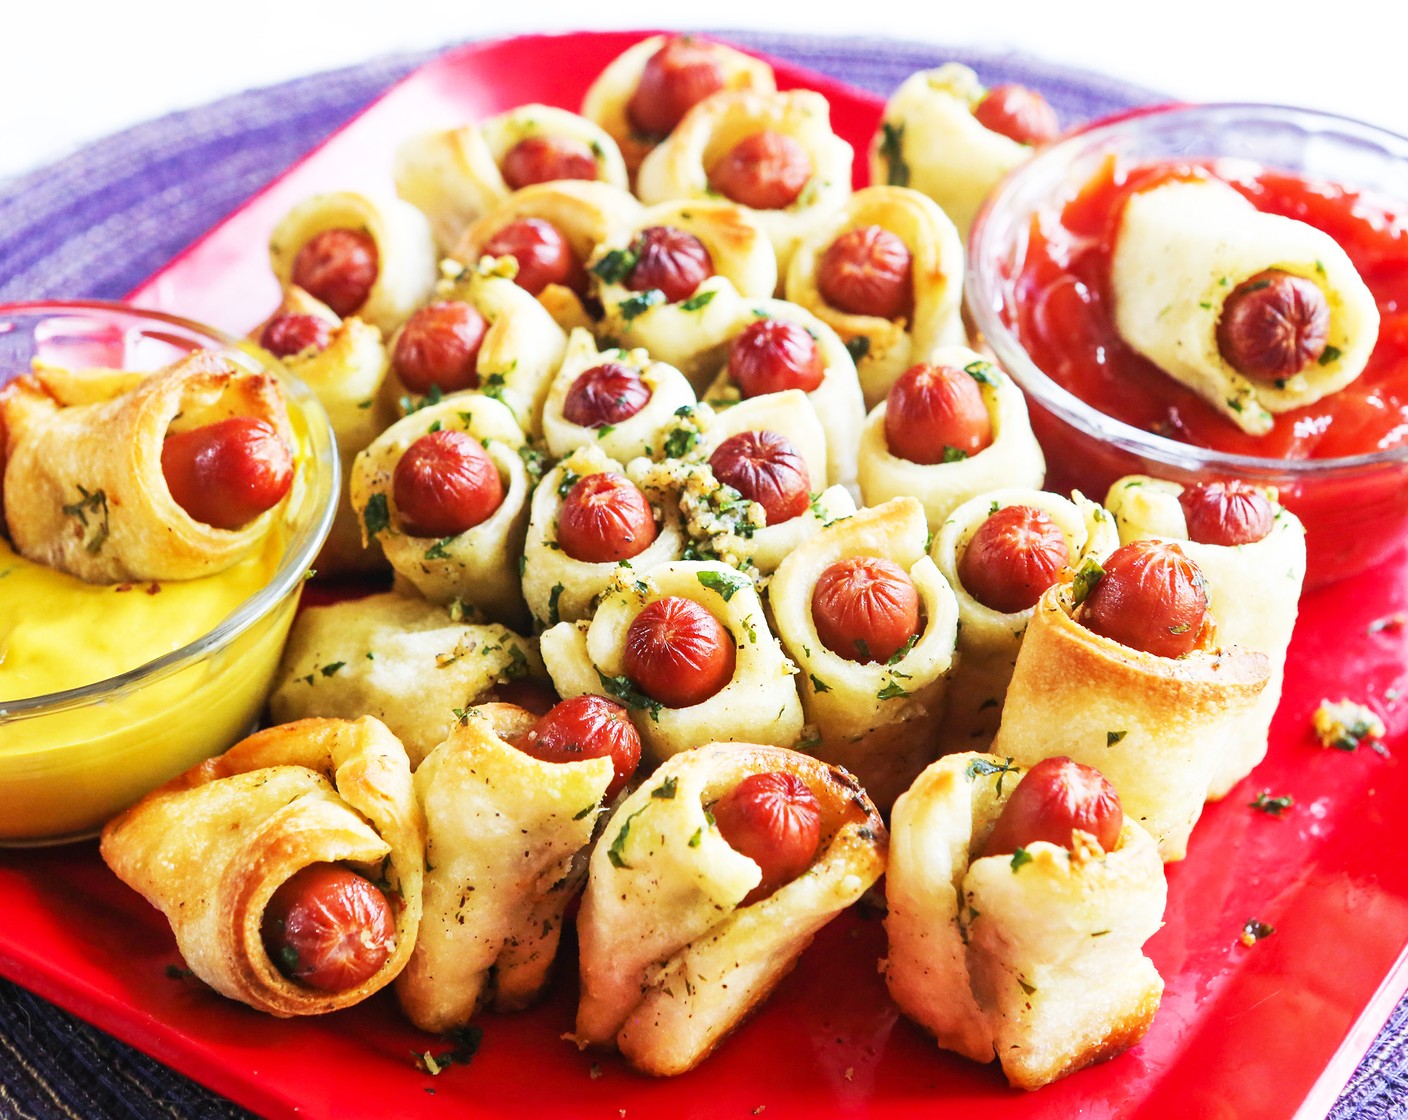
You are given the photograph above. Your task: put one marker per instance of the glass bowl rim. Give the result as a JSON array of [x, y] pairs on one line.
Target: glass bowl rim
[[299, 552], [980, 289]]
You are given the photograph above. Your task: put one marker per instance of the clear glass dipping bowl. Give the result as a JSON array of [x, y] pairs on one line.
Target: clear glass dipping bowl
[[70, 760], [1355, 508]]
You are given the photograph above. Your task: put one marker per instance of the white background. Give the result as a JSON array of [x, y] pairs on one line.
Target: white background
[[75, 71]]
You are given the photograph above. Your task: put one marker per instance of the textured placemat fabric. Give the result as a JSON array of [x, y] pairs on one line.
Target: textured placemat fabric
[[97, 223]]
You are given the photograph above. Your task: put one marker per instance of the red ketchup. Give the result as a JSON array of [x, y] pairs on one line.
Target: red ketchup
[[1061, 310]]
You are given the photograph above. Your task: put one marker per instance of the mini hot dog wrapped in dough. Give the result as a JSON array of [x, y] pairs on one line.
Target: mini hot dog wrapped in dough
[[945, 134], [678, 942], [482, 331], [590, 519], [745, 479], [687, 647], [404, 660], [1117, 670], [551, 230], [178, 474], [778, 346], [1033, 958], [645, 91], [999, 551], [673, 282], [1256, 313], [504, 836], [460, 174], [445, 492], [950, 428], [1252, 550], [617, 400], [772, 153], [885, 272], [344, 362], [252, 857], [872, 625], [360, 254]]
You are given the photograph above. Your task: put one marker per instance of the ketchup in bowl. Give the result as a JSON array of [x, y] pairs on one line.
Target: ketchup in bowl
[[1039, 292]]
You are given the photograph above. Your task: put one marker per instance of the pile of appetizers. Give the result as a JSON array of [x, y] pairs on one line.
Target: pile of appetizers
[[677, 625]]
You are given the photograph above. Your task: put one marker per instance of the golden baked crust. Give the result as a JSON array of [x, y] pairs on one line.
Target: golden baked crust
[[670, 961], [1037, 962], [505, 833], [84, 488], [1155, 726], [210, 848]]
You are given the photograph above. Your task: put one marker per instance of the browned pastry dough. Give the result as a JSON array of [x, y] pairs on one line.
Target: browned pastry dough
[[505, 837], [1155, 726], [210, 848], [84, 489], [1037, 962], [671, 962]]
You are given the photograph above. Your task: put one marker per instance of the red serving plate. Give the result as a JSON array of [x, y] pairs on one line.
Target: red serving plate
[[1270, 1031]]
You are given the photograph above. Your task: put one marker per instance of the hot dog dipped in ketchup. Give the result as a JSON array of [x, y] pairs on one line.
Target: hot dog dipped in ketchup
[[1019, 902], [729, 857], [510, 800], [1118, 670], [175, 477]]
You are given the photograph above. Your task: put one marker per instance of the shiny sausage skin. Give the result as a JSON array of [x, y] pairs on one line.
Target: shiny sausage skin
[[1226, 513], [610, 393], [542, 253], [605, 518], [546, 159], [865, 608], [445, 484], [288, 334], [936, 414], [328, 928], [772, 356], [678, 653], [1152, 597], [677, 77], [438, 348], [1013, 557], [227, 473], [868, 271], [764, 171], [338, 267], [670, 260], [586, 727], [765, 468], [1019, 113], [1053, 798], [1273, 326], [775, 820]]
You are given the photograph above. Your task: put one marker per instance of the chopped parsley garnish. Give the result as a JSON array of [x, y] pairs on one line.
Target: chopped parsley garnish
[[818, 684], [1330, 354], [1087, 576], [1020, 857], [465, 1044], [640, 303], [376, 517], [616, 266], [980, 371], [583, 813], [858, 347], [1113, 737], [665, 791], [954, 454], [616, 853], [680, 442], [892, 152], [903, 652], [554, 616], [621, 688], [437, 550], [1272, 806], [696, 838], [984, 766], [331, 667], [892, 691], [724, 584], [96, 503], [695, 302]]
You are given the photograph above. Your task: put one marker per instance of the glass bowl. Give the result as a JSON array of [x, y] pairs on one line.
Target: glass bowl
[[1355, 508], [70, 760]]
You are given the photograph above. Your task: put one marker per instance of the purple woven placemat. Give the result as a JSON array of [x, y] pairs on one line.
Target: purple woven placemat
[[99, 222]]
